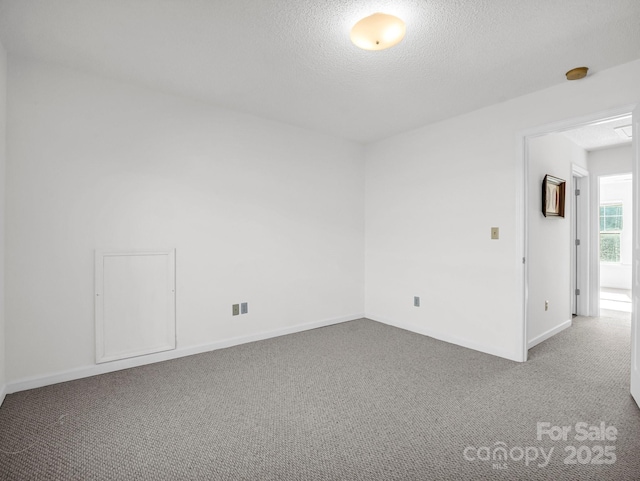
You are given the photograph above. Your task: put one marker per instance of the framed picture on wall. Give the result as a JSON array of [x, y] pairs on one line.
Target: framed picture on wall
[[553, 196]]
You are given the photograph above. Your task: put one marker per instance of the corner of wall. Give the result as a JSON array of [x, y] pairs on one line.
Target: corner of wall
[[549, 303]]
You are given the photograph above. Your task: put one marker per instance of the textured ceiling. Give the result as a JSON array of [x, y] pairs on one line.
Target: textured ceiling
[[600, 135], [292, 60]]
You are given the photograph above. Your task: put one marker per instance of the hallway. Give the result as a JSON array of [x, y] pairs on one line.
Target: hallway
[[615, 303]]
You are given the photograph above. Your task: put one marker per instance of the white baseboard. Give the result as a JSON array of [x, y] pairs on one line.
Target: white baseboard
[[450, 339], [3, 393], [550, 333], [93, 370]]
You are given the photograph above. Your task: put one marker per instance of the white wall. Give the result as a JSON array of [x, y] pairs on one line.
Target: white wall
[[3, 111], [258, 211], [434, 193], [266, 213], [550, 238], [612, 161], [602, 164]]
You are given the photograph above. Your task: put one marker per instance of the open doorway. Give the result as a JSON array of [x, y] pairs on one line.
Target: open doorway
[[615, 241], [563, 275], [609, 161], [532, 308]]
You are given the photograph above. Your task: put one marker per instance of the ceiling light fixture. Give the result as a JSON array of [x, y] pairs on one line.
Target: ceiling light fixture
[[577, 73], [378, 32]]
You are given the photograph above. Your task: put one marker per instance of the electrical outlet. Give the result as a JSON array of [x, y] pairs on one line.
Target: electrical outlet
[[235, 309], [416, 301], [244, 308], [546, 305], [495, 233]]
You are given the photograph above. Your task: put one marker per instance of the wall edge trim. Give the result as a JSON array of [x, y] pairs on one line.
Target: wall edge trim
[[458, 341], [550, 333], [104, 368]]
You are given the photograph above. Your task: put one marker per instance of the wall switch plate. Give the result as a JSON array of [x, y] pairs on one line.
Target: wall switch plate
[[495, 233], [235, 309], [244, 308], [416, 301], [546, 305]]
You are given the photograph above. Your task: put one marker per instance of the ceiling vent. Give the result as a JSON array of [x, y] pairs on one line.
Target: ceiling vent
[[624, 131]]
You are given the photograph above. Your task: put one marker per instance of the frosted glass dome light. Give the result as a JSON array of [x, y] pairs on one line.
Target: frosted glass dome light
[[378, 32]]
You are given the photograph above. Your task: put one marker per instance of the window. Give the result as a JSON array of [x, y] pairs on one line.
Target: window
[[610, 230]]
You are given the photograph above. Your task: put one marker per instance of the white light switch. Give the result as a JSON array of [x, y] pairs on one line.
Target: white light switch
[[495, 233]]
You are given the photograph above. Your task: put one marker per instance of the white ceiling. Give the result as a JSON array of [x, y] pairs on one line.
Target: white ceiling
[[600, 135], [292, 60]]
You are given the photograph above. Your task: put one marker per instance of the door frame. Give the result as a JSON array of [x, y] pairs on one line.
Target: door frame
[[635, 260], [522, 204]]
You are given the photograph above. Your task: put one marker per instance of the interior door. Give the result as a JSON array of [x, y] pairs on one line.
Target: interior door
[[575, 235], [635, 332]]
